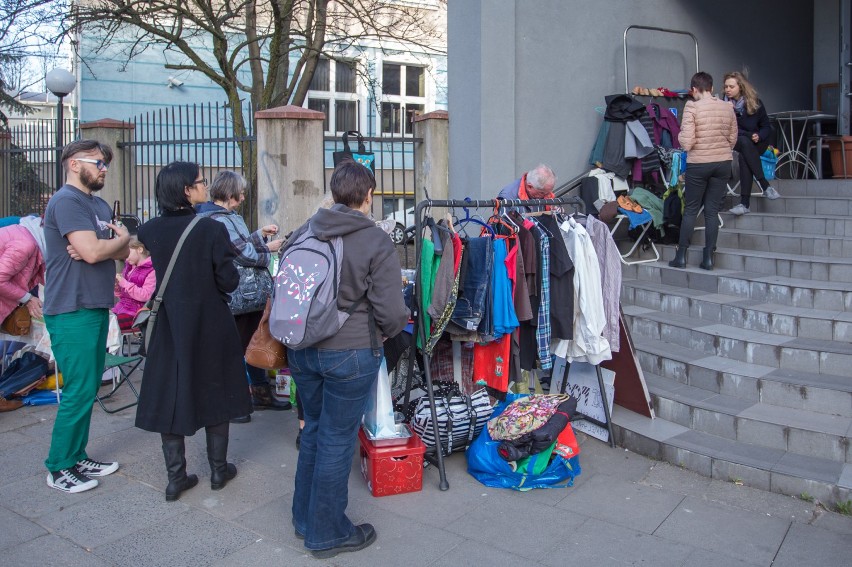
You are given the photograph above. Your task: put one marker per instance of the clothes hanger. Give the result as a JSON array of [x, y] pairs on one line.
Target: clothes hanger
[[468, 218]]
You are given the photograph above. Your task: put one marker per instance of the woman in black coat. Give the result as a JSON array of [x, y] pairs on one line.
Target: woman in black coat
[[754, 135], [194, 375]]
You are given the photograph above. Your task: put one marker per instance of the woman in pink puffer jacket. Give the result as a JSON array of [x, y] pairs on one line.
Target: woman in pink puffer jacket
[[21, 265], [708, 133]]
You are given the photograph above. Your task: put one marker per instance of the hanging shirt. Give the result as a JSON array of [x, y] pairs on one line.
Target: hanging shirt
[[588, 344], [542, 330]]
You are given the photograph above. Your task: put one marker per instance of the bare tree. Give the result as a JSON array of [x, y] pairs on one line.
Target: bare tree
[[27, 28], [278, 42]]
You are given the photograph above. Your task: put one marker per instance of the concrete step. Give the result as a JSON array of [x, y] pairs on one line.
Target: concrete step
[[824, 393], [771, 263], [801, 431], [778, 351], [780, 242], [803, 205], [812, 187], [729, 460], [739, 312], [816, 225], [781, 290]]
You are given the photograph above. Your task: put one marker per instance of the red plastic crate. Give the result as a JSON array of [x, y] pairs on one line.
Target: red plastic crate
[[396, 469]]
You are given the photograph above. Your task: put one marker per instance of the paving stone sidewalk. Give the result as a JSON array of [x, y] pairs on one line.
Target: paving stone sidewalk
[[624, 509]]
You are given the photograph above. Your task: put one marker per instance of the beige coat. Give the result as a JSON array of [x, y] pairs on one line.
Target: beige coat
[[709, 130]]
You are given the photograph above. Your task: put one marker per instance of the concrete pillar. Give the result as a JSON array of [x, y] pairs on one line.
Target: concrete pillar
[[111, 132], [432, 156], [5, 173], [290, 159]]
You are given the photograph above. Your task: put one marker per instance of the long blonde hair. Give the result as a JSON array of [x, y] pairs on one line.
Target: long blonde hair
[[747, 91]]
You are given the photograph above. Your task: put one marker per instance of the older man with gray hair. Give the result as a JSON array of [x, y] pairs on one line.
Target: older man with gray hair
[[538, 183]]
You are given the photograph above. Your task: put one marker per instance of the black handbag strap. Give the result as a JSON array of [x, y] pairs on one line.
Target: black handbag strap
[[357, 135], [158, 299]]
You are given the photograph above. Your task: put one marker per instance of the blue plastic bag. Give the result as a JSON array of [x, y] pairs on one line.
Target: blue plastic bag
[[486, 466]]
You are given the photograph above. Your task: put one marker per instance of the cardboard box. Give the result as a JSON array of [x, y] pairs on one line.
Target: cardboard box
[[394, 469]]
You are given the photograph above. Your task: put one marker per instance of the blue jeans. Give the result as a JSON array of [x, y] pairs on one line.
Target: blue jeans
[[471, 302], [333, 387]]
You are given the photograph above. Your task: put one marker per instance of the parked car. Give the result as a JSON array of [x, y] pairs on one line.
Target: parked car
[[403, 230]]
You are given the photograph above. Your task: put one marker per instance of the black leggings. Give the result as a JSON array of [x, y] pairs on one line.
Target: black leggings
[[221, 429], [706, 184], [750, 166]]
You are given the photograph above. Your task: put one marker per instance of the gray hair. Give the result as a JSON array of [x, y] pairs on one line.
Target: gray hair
[[540, 176], [227, 185]]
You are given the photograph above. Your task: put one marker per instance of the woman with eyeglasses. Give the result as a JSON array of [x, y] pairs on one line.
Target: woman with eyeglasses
[[194, 375], [254, 249]]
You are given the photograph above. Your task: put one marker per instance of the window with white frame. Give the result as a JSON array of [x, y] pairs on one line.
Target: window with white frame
[[333, 92], [403, 97]]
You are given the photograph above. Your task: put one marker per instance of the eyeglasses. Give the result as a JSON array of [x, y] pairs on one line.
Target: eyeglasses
[[203, 181], [101, 165]]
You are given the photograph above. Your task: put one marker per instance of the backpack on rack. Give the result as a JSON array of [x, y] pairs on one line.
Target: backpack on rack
[[304, 301]]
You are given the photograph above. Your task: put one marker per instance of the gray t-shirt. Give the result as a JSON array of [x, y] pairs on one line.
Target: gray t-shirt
[[71, 285]]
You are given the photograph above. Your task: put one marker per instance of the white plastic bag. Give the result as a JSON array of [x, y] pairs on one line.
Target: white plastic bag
[[378, 419]]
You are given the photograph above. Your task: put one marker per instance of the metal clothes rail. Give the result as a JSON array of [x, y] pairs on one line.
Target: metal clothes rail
[[436, 454]]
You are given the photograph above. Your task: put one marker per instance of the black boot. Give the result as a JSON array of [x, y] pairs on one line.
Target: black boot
[[680, 257], [262, 398], [221, 471], [707, 262], [173, 451]]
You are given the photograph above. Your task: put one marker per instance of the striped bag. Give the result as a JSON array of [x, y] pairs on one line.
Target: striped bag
[[460, 417]]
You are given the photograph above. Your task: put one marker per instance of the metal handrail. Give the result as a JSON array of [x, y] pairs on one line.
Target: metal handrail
[[652, 28]]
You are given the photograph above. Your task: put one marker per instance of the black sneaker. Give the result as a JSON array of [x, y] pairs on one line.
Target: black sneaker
[[89, 467], [70, 480]]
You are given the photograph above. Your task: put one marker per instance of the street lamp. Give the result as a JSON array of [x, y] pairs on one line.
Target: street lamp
[[60, 82]]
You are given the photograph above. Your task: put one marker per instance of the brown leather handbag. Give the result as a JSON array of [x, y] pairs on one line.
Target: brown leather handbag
[[264, 351], [18, 322]]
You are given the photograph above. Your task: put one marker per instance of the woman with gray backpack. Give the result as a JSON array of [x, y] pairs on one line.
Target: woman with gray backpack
[[342, 254]]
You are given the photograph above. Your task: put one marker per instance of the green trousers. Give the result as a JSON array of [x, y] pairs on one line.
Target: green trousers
[[78, 340]]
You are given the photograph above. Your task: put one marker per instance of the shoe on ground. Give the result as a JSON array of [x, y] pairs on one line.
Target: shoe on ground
[[739, 210], [770, 193], [92, 468], [364, 536], [70, 480], [241, 419]]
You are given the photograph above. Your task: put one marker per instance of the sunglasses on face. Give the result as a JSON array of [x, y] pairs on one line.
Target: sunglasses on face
[[100, 164]]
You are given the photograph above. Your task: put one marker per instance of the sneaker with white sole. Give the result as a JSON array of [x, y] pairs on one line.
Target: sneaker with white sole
[[739, 210], [70, 480], [770, 193], [89, 467]]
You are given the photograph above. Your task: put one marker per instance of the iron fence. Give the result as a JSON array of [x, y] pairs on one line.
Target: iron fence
[[28, 165], [395, 171], [200, 133]]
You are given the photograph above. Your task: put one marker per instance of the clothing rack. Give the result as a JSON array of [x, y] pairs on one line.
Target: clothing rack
[[433, 454]]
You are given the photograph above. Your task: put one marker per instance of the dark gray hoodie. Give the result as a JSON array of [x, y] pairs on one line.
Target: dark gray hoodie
[[370, 266]]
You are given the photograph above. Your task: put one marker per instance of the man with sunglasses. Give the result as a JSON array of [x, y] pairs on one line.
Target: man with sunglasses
[[78, 296]]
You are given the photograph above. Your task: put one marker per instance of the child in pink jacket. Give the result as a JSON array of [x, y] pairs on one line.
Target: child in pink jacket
[[135, 285]]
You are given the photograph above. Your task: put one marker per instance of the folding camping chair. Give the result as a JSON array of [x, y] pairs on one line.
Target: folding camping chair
[[125, 365]]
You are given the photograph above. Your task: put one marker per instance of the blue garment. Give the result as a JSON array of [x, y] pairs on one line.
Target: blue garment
[[636, 219], [505, 318], [543, 330], [477, 263], [333, 387]]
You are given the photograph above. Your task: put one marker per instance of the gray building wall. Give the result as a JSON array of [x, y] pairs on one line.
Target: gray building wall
[[525, 76]]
